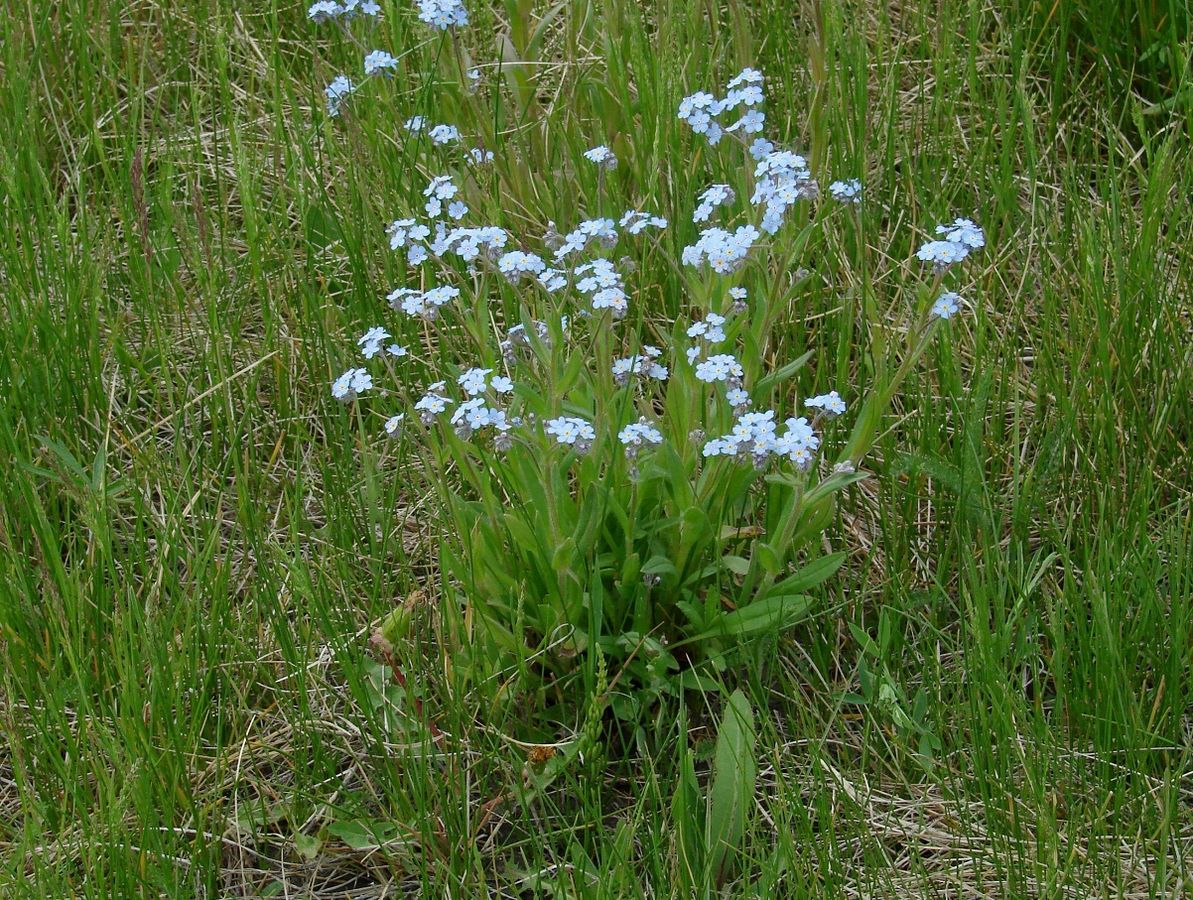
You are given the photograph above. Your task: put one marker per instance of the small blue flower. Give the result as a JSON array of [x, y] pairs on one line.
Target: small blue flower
[[323, 10], [444, 134], [942, 254], [602, 157], [721, 367], [350, 384], [846, 191], [716, 195], [571, 431], [830, 404], [963, 231], [635, 222], [638, 433], [946, 305], [442, 14], [379, 61], [337, 92], [370, 342]]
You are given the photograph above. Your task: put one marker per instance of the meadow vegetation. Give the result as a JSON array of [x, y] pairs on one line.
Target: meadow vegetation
[[253, 645]]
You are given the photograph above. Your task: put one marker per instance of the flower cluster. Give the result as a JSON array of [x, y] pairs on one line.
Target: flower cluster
[[946, 305], [744, 92], [717, 195], [370, 343], [830, 405], [351, 384], [638, 434], [635, 222], [959, 239], [380, 61], [442, 14], [409, 233], [644, 364], [725, 252], [424, 304], [603, 284], [710, 329], [782, 178], [337, 92], [439, 194], [722, 367], [444, 134], [846, 191], [756, 436], [468, 243], [517, 265], [328, 10], [572, 431], [603, 231], [602, 157]]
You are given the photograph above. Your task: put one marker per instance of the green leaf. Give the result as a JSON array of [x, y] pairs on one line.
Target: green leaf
[[522, 533], [361, 835], [731, 797], [307, 845], [738, 565], [781, 374], [772, 614], [695, 526], [809, 576], [865, 641], [542, 29], [687, 821], [659, 565], [832, 484], [768, 556], [691, 680], [563, 556]]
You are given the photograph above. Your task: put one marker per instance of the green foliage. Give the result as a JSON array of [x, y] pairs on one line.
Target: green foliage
[[196, 543]]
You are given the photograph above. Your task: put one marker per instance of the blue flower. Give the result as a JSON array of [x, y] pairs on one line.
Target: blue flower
[[602, 157], [571, 431], [337, 92], [323, 10], [942, 254], [638, 433], [721, 367], [829, 404], [946, 305], [350, 384], [444, 134], [442, 14], [963, 231], [474, 381], [716, 195], [635, 222], [370, 342], [404, 232], [783, 179], [725, 252], [846, 191], [379, 61]]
